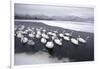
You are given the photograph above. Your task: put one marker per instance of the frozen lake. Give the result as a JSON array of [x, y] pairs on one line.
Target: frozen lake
[[78, 26]]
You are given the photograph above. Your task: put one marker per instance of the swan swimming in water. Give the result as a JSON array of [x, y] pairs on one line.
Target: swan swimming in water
[[66, 38], [58, 41], [44, 35], [74, 41], [38, 35], [50, 44], [22, 27], [61, 34], [31, 42], [49, 33], [31, 35], [80, 39], [43, 40], [19, 34], [24, 39]]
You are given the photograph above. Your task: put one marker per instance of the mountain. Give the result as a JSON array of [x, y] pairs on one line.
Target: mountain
[[58, 18]]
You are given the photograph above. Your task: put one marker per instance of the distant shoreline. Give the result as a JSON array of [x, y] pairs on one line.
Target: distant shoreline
[[86, 27]]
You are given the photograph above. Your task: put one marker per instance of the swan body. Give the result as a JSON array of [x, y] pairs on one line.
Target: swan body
[[80, 39], [24, 39], [58, 41], [43, 40], [67, 34], [50, 44], [49, 33], [39, 32], [38, 36], [31, 42], [66, 38], [19, 35], [22, 27], [54, 34], [45, 36], [61, 35], [74, 41], [31, 35]]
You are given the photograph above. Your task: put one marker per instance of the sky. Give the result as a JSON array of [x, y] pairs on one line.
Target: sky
[[54, 10]]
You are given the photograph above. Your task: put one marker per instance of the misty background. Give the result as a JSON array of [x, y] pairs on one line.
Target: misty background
[[46, 12]]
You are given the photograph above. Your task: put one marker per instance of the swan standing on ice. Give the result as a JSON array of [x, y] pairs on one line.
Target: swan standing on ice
[[80, 39]]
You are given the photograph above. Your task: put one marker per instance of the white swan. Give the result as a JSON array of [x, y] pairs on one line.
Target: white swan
[[29, 29], [31, 42], [43, 40], [26, 31], [39, 32], [74, 41], [69, 34], [55, 31], [54, 34], [31, 35], [58, 41], [66, 38], [22, 27], [50, 44], [49, 33], [45, 35], [80, 39], [38, 36], [19, 34], [61, 34], [44, 30], [24, 39], [15, 28]]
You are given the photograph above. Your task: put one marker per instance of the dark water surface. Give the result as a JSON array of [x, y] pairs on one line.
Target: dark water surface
[[82, 52]]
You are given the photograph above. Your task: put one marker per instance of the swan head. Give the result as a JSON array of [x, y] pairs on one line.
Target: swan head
[[71, 33], [79, 36], [44, 30]]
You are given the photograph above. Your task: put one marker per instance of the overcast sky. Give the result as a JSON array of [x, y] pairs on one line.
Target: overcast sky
[[53, 10]]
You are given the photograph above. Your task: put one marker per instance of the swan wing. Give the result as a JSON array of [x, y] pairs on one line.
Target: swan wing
[[74, 41], [81, 40], [50, 44]]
